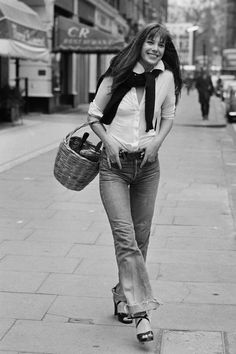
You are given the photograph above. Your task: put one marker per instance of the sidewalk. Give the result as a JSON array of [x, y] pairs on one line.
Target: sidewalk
[[57, 262], [39, 133]]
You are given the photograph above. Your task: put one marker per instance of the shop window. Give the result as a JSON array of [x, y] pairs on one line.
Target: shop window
[[56, 72]]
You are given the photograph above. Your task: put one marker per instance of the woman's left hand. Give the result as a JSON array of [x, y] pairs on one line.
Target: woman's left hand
[[151, 152]]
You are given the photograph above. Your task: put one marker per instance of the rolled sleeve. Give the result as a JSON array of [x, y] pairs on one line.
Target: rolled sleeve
[[94, 112], [169, 107], [101, 99]]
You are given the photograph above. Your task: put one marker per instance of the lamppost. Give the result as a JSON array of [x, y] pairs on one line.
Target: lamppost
[[204, 54], [192, 30]]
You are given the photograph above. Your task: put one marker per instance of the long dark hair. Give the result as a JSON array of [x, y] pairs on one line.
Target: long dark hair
[[123, 63]]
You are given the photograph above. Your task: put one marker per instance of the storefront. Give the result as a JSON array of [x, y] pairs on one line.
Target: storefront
[[22, 35], [22, 38], [21, 32], [73, 38]]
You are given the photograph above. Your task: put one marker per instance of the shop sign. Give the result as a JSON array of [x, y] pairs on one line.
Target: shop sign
[[15, 31], [77, 37]]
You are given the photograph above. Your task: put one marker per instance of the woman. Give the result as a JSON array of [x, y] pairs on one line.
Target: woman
[[136, 100]]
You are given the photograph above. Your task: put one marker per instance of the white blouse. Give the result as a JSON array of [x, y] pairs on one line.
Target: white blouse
[[129, 125]]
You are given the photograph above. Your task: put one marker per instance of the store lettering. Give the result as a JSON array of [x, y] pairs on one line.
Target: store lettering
[[78, 32], [89, 42]]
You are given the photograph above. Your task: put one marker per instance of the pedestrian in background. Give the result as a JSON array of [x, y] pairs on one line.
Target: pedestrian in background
[[205, 90], [188, 83], [136, 100]]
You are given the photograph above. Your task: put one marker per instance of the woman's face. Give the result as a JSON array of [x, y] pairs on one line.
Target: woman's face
[[152, 52]]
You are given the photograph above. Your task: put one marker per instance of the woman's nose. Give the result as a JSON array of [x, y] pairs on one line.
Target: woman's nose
[[155, 48]]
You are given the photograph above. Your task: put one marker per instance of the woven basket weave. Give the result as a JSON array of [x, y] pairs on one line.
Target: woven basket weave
[[71, 169]]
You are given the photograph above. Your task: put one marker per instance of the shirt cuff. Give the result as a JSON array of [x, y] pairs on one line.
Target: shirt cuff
[[94, 110]]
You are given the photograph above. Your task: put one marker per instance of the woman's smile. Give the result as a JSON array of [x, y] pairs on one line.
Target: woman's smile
[[152, 51]]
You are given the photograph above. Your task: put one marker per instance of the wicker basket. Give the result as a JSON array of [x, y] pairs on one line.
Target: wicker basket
[[73, 170]]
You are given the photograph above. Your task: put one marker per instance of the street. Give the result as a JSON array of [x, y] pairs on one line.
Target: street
[[57, 263]]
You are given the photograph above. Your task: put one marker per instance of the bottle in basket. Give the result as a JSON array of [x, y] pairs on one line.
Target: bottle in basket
[[92, 154]]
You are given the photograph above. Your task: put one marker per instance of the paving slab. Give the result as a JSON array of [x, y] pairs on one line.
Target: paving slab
[[58, 236], [14, 234], [96, 267], [225, 221], [90, 310], [230, 342], [35, 336], [190, 211], [201, 243], [195, 317], [34, 248], [20, 282], [210, 206], [9, 222], [45, 264], [209, 273], [188, 231], [92, 251], [195, 292], [24, 306], [192, 257], [5, 325], [78, 285], [179, 342], [77, 206], [56, 223], [25, 213], [28, 204], [55, 318]]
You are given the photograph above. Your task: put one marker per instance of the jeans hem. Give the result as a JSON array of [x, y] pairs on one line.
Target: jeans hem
[[144, 306]]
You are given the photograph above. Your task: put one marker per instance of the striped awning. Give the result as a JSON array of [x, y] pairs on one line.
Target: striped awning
[[22, 33]]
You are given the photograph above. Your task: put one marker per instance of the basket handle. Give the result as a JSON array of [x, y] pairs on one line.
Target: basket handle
[[68, 136]]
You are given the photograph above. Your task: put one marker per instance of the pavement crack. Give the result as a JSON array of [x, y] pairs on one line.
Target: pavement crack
[[189, 291], [89, 321]]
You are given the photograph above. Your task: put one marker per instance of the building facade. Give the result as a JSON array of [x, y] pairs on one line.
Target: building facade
[[70, 75], [217, 37], [230, 37]]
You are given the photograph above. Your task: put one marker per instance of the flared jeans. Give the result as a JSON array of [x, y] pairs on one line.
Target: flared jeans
[[128, 196]]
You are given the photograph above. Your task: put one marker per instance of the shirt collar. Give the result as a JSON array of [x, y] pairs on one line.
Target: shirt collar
[[139, 69]]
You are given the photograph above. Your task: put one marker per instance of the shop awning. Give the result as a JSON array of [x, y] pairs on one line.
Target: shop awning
[[72, 36], [22, 34]]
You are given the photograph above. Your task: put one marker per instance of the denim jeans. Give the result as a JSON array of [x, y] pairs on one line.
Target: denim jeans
[[128, 196]]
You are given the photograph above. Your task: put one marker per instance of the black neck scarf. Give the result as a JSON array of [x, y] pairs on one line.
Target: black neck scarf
[[147, 80]]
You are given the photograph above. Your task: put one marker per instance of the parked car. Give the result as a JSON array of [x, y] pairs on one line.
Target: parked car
[[221, 84], [230, 102], [226, 80]]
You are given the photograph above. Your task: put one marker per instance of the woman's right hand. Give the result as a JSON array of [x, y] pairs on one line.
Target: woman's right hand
[[112, 148]]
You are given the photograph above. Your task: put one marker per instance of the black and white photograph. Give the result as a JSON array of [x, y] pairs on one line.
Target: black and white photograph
[[117, 176]]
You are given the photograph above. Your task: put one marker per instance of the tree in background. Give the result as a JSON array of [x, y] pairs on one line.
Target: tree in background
[[210, 16]]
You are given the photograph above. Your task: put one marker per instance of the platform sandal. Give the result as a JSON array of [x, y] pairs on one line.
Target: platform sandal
[[118, 310], [145, 334]]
